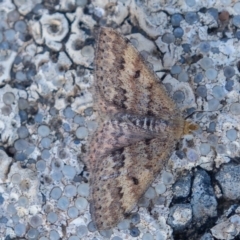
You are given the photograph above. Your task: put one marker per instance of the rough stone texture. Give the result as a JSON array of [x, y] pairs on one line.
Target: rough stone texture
[[180, 216], [228, 178], [182, 187], [203, 200]]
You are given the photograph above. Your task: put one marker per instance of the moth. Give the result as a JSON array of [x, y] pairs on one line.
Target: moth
[[139, 125]]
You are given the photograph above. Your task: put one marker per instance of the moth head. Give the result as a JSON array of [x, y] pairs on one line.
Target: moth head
[[189, 127]]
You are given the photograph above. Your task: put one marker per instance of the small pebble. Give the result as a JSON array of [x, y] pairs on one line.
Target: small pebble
[[92, 227], [178, 32], [206, 63], [22, 132], [72, 212], [83, 189], [168, 38], [236, 21], [22, 104], [229, 85], [236, 7], [213, 104], [159, 200], [231, 134], [183, 77], [192, 155], [191, 17], [205, 149], [218, 92], [20, 229], [211, 74], [81, 231], [81, 203], [21, 145], [38, 118], [54, 235], [135, 218], [43, 130], [179, 96], [229, 72], [57, 175], [52, 217], [167, 178], [73, 238], [79, 120], [186, 47], [147, 236], [40, 165], [35, 221], [134, 232], [160, 188], [20, 26], [3, 220], [201, 91], [150, 193], [11, 210], [221, 149], [70, 190], [88, 111], [63, 203], [32, 233], [46, 142], [117, 238], [23, 201], [176, 69], [235, 108], [212, 127], [204, 47], [56, 193], [8, 98], [69, 171], [66, 127], [45, 154], [9, 35], [106, 233], [87, 51], [143, 202], [176, 19], [16, 178], [68, 112], [198, 77], [190, 3], [1, 199], [212, 139], [20, 156], [124, 224], [81, 132], [215, 50], [13, 16]]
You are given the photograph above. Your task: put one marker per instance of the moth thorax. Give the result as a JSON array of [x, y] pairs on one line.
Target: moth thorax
[[189, 127]]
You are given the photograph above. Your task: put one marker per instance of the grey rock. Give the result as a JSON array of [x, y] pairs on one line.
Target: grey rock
[[180, 216], [203, 200], [181, 188], [206, 236], [229, 179]]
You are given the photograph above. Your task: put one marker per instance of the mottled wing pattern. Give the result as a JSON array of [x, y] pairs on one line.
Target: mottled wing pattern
[[139, 127], [122, 177], [124, 82]]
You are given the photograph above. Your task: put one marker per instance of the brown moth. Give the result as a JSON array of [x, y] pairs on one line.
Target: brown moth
[[138, 128]]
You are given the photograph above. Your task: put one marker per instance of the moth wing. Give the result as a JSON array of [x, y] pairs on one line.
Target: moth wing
[[122, 177], [123, 80], [112, 135]]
